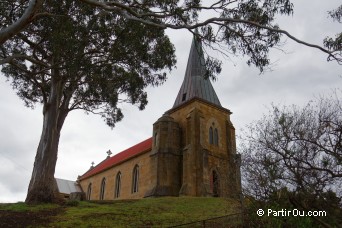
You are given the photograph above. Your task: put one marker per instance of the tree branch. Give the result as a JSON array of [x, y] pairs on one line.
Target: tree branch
[[10, 59], [130, 14], [22, 22]]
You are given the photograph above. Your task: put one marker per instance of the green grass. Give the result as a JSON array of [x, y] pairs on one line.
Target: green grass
[[21, 207], [152, 212]]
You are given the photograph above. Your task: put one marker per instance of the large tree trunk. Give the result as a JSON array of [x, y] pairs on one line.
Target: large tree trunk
[[42, 185]]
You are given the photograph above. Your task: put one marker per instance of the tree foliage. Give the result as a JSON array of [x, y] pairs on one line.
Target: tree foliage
[[293, 156], [240, 27], [298, 148], [243, 27], [20, 16], [95, 56], [81, 58], [335, 43]]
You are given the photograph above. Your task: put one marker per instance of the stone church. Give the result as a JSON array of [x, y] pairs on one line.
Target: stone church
[[192, 151]]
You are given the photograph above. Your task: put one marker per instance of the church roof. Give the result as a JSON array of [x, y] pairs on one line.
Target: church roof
[[67, 186], [135, 150], [194, 84]]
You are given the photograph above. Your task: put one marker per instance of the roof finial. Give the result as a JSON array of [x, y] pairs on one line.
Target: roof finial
[[92, 165], [109, 153]]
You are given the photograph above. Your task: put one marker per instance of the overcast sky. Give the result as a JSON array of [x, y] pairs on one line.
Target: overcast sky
[[298, 74]]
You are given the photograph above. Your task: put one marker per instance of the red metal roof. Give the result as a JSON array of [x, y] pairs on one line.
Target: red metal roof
[[137, 149]]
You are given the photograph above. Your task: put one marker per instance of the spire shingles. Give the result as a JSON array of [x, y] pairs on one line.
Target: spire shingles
[[194, 84]]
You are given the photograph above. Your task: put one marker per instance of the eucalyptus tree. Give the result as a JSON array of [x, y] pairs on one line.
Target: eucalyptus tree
[[81, 59]]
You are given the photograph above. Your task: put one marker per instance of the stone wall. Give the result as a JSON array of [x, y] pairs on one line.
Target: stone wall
[[126, 169], [166, 159], [200, 157], [182, 160]]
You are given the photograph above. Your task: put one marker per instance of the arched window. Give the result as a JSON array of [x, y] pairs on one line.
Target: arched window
[[155, 139], [89, 192], [216, 137], [135, 180], [103, 187], [210, 135], [117, 185]]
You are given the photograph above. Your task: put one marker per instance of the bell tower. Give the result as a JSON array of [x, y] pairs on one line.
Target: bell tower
[[210, 165], [193, 151]]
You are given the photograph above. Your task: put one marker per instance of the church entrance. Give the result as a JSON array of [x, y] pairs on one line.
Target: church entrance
[[215, 184]]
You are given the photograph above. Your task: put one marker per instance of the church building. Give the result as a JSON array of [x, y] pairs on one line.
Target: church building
[[192, 151]]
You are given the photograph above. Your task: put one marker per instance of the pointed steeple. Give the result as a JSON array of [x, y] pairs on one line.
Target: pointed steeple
[[194, 84]]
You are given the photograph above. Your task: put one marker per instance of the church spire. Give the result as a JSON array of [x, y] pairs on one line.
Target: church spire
[[194, 84]]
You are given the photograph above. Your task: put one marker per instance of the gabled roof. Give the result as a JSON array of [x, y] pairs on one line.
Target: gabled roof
[[194, 84], [133, 151], [67, 186]]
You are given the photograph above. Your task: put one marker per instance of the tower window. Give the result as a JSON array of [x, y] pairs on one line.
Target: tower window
[[216, 137], [184, 96], [103, 187], [118, 185], [211, 135], [135, 180], [155, 139]]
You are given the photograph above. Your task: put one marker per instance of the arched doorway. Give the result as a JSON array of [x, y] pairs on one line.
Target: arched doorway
[[215, 184]]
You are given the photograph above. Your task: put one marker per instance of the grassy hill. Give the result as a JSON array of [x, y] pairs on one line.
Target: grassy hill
[[153, 212]]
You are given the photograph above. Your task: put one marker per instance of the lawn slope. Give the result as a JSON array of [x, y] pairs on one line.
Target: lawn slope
[[152, 212]]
